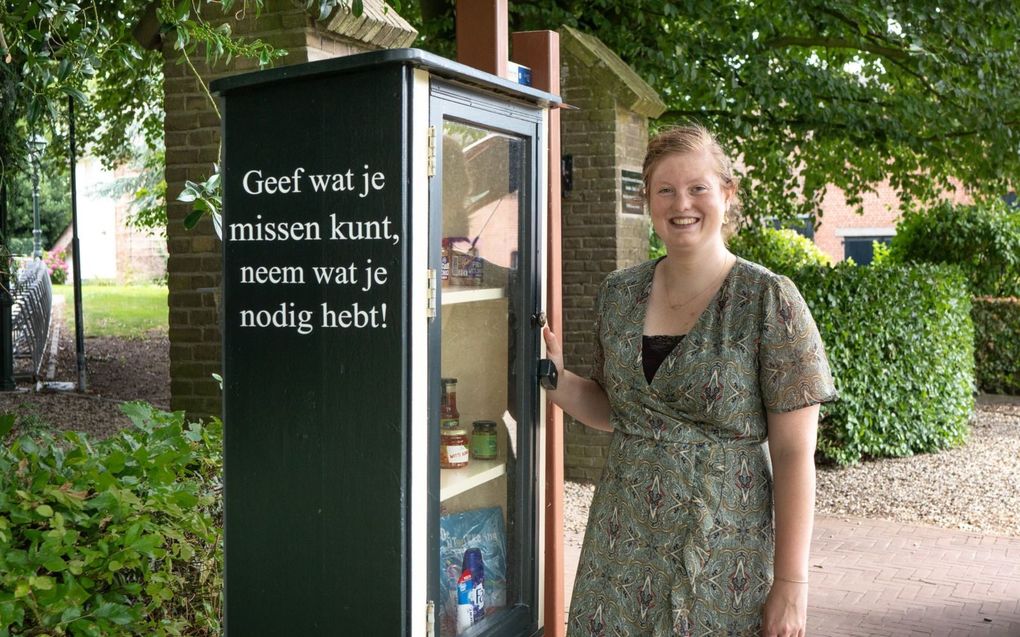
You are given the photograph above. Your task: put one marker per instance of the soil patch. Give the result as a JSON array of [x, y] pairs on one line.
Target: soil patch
[[118, 370]]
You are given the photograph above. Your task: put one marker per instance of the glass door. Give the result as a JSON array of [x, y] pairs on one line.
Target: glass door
[[483, 351]]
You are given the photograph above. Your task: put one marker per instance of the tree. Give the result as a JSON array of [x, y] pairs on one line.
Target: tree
[[54, 204], [815, 92], [86, 51]]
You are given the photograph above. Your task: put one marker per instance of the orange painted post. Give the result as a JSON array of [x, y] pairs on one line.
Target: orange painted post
[[482, 27], [540, 50]]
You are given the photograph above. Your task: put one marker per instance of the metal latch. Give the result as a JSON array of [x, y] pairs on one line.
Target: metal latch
[[430, 294]]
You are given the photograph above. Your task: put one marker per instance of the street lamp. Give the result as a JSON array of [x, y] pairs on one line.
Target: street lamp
[[36, 145]]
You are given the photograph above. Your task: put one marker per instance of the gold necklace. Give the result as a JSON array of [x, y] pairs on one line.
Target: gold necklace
[[710, 285]]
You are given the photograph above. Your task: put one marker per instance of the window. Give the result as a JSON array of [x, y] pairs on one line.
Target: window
[[861, 249]]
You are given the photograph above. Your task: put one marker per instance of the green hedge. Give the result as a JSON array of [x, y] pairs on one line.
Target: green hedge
[[782, 251], [900, 341], [983, 240], [121, 537], [997, 344]]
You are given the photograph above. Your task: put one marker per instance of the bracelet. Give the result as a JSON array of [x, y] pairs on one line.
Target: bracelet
[[792, 581]]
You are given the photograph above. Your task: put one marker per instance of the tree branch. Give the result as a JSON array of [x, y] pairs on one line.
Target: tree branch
[[783, 42]]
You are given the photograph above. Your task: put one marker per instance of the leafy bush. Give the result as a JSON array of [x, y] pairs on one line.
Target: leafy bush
[[56, 264], [782, 251], [983, 240], [900, 342], [997, 344], [121, 537]]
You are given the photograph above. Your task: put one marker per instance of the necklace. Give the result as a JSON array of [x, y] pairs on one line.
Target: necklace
[[711, 284]]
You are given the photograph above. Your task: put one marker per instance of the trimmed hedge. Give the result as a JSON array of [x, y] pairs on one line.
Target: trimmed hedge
[[117, 538], [997, 344], [901, 344]]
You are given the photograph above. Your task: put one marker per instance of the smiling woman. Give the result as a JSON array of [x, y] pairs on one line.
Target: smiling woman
[[699, 359]]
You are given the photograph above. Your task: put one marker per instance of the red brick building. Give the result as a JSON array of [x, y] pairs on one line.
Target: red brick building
[[843, 232]]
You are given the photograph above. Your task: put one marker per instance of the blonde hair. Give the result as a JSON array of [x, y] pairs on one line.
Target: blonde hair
[[694, 138]]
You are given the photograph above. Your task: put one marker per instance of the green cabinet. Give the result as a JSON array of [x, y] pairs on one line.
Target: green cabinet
[[383, 230]]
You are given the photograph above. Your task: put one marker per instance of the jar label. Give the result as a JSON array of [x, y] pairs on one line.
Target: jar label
[[456, 454]]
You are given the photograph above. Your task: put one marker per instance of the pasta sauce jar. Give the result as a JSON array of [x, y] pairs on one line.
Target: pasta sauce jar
[[453, 448]]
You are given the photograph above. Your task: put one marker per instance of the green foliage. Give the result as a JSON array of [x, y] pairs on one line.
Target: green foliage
[[901, 345], [120, 537], [913, 91], [997, 344], [782, 251], [983, 240], [147, 189], [206, 198], [122, 311], [54, 201]]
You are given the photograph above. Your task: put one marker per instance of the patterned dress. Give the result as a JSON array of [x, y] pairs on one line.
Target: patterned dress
[[680, 534]]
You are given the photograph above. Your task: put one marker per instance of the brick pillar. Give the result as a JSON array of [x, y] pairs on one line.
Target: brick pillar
[[192, 131], [602, 229]]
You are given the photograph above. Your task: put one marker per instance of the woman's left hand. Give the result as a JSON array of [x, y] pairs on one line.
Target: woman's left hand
[[785, 613]]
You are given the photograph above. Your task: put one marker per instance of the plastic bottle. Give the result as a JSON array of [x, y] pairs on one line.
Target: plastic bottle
[[473, 563], [465, 609]]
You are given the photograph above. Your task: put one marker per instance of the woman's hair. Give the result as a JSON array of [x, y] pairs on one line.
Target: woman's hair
[[694, 138]]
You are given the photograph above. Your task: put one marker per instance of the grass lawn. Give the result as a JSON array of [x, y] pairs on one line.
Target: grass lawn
[[127, 311]]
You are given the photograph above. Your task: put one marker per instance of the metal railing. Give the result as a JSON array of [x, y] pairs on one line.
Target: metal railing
[[33, 300]]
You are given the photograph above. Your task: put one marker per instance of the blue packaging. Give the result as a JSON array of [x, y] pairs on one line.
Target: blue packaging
[[473, 562]]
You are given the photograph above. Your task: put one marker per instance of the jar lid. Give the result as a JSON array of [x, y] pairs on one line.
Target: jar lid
[[485, 424], [447, 381]]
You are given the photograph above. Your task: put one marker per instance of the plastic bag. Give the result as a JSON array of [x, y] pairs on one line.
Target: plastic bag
[[482, 529]]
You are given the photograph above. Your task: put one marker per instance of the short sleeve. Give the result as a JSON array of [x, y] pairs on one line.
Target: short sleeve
[[598, 352], [793, 371]]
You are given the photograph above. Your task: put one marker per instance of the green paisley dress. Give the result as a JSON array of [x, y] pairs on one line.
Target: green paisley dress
[[680, 532]]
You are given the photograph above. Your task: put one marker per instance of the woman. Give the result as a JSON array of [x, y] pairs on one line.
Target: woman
[[699, 358]]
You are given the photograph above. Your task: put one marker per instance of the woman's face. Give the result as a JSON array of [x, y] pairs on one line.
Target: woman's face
[[688, 200]]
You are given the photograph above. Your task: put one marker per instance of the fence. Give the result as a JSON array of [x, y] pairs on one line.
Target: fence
[[33, 299]]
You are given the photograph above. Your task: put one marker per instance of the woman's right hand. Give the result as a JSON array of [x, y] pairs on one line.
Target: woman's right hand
[[553, 349]]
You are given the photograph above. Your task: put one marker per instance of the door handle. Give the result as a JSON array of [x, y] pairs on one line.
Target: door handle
[[548, 375]]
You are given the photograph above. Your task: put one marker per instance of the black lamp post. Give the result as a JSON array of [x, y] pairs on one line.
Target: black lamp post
[[6, 322], [36, 145]]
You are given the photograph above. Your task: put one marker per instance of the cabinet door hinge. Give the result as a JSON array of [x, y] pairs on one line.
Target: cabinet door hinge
[[430, 619], [430, 294], [432, 151]]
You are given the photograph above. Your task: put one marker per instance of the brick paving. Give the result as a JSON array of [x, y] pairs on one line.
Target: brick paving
[[876, 578]]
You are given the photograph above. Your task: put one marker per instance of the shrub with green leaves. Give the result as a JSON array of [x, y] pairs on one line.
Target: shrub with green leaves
[[120, 537], [782, 251], [997, 344], [901, 345], [983, 240]]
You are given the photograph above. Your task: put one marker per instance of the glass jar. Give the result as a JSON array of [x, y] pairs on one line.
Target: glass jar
[[483, 440], [453, 448]]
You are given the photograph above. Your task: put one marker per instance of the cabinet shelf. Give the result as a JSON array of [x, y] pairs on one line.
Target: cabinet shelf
[[456, 481], [462, 294]]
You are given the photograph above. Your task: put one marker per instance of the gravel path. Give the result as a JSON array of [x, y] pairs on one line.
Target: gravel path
[[975, 487]]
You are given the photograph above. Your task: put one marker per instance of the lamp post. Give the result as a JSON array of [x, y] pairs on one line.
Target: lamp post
[[36, 145]]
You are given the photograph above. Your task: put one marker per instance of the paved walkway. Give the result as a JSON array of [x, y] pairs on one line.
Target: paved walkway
[[874, 578]]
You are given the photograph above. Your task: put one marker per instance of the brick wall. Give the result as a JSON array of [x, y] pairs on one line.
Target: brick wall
[[141, 256], [604, 136], [192, 130], [881, 212]]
